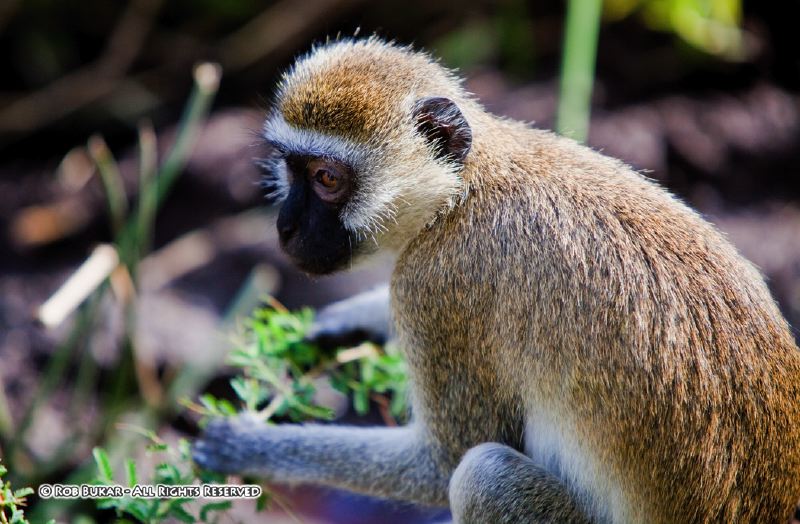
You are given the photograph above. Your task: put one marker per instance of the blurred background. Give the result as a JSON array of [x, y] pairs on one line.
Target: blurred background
[[702, 95]]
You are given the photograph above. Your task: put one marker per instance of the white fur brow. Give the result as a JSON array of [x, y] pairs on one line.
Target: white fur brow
[[313, 143], [293, 140]]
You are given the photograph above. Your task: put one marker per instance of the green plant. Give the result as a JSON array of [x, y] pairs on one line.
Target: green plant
[[132, 238], [12, 501], [278, 365], [174, 470], [279, 370], [712, 26]]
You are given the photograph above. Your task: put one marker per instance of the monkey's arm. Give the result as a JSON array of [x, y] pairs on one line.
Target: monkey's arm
[[387, 462], [365, 316]]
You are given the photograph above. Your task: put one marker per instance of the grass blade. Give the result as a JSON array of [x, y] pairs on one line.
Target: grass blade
[[112, 181], [148, 204]]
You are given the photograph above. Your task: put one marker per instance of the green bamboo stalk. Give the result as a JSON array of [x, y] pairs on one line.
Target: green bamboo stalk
[[577, 67]]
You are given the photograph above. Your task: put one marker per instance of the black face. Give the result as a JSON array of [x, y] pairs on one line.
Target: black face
[[309, 227]]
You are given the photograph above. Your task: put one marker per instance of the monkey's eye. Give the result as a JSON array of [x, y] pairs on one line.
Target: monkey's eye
[[327, 178], [330, 179]]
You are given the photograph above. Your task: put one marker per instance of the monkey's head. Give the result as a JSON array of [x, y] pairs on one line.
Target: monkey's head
[[369, 140]]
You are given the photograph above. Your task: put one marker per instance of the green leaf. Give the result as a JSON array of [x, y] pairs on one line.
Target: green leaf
[[107, 503], [367, 372], [262, 502], [181, 514], [243, 389], [157, 447], [361, 401], [398, 404], [103, 464], [185, 449], [214, 506], [17, 516], [167, 473], [209, 401], [139, 509], [211, 477], [23, 492], [130, 469], [226, 407]]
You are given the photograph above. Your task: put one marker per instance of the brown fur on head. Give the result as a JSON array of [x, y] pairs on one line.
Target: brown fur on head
[[354, 100]]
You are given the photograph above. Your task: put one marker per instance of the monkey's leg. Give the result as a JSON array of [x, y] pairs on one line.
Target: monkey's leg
[[494, 483], [387, 462], [365, 316]]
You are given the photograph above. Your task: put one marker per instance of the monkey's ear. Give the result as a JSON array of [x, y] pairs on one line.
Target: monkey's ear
[[440, 121]]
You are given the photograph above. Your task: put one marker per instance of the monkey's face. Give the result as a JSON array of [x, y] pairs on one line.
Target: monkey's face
[[309, 224], [316, 178], [362, 160]]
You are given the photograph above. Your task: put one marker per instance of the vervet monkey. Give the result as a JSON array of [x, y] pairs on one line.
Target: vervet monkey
[[582, 346]]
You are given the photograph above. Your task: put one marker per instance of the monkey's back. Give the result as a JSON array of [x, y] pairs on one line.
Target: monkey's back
[[649, 353]]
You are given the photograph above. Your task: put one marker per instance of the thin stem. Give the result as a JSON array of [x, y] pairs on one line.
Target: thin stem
[[577, 67], [206, 83], [206, 78], [112, 181], [56, 368], [148, 204]]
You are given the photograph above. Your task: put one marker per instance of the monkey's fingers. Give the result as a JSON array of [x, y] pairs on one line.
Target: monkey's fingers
[[222, 446]]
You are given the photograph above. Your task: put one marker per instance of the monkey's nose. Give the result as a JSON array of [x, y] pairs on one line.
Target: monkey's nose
[[286, 230]]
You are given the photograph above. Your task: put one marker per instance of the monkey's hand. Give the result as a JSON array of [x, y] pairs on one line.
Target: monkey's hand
[[365, 316], [397, 462], [232, 445]]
